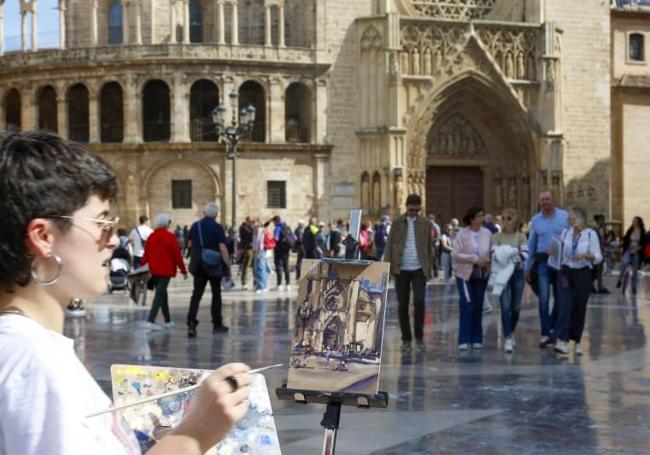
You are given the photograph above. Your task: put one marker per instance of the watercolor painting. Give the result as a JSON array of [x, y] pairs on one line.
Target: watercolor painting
[[254, 434], [339, 327]]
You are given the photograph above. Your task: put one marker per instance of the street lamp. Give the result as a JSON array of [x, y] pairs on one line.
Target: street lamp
[[230, 135]]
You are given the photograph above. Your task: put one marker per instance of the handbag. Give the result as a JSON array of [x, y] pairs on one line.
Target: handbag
[[211, 259], [479, 273]]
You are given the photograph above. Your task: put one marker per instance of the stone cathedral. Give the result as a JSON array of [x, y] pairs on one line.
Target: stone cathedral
[[358, 102]]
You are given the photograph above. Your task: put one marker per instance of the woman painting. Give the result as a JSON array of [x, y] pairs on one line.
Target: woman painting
[[56, 234]]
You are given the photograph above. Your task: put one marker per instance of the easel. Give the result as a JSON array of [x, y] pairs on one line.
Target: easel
[[334, 400]]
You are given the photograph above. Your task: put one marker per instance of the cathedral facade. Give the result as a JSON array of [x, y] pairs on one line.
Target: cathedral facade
[[359, 102]]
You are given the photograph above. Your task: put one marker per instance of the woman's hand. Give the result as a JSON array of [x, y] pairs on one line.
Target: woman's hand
[[216, 407]]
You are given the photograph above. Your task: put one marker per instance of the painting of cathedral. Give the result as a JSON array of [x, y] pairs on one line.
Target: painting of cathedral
[[339, 327]]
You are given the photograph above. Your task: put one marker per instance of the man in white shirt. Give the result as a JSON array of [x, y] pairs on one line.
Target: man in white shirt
[[138, 238]]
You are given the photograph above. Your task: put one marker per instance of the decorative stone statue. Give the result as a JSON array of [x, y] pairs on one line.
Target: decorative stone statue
[[405, 62], [512, 192], [437, 59], [521, 67], [416, 62], [428, 63], [509, 66], [498, 193], [399, 191]]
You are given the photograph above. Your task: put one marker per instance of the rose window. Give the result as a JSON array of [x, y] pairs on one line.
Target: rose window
[[454, 9]]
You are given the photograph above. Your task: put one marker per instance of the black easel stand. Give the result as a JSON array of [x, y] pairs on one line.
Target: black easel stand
[[334, 401]]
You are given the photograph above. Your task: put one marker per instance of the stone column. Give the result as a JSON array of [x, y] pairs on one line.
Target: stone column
[[62, 11], [34, 27], [186, 21], [234, 28], [180, 110], [281, 42], [320, 112], [125, 22], [93, 115], [2, 28], [93, 23], [132, 112], [172, 21], [23, 30], [138, 23], [275, 117], [61, 112], [27, 111], [267, 25], [221, 22]]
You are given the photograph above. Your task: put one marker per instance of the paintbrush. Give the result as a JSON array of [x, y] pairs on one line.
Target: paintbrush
[[168, 394]]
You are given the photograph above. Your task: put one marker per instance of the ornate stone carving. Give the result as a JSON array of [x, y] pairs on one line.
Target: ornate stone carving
[[454, 9], [456, 138], [513, 48], [432, 41], [371, 39]]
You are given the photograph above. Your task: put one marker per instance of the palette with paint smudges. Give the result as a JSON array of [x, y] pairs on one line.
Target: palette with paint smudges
[[254, 434]]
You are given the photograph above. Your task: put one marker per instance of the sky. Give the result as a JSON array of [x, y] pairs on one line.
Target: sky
[[48, 24]]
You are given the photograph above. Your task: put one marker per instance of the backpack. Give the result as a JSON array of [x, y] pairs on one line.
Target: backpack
[[287, 239]]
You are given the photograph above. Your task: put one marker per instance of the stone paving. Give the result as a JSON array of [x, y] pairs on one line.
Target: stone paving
[[441, 401]]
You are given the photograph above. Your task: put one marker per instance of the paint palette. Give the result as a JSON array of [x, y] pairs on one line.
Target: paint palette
[[254, 434]]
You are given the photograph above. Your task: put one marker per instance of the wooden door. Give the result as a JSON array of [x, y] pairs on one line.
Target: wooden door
[[452, 190]]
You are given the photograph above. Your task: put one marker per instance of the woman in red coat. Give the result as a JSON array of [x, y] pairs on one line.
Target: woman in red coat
[[163, 254]]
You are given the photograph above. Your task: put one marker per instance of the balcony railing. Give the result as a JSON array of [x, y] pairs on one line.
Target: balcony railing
[[112, 132], [296, 133], [202, 130], [156, 131], [78, 132]]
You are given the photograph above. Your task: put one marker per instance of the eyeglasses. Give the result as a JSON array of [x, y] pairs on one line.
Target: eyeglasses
[[107, 225]]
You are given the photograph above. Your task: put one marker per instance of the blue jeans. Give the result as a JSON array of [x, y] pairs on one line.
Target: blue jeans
[[261, 271], [547, 279], [511, 302], [635, 261], [445, 259], [471, 295]]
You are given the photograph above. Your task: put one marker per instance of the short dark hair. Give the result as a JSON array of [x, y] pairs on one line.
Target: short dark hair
[[143, 219], [277, 219], [413, 199], [470, 214], [42, 175]]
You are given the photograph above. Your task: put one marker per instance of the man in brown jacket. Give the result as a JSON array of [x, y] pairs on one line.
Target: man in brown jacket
[[409, 249]]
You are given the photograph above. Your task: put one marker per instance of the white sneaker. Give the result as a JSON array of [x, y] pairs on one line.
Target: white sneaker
[[477, 345], [169, 325], [508, 345], [561, 347], [280, 288], [577, 349], [260, 291], [287, 288], [244, 288], [152, 326], [463, 347]]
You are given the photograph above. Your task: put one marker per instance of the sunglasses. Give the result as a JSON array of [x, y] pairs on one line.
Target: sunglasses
[[107, 226]]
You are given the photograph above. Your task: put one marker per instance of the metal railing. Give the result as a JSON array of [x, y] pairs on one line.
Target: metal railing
[[296, 133], [202, 130], [156, 131]]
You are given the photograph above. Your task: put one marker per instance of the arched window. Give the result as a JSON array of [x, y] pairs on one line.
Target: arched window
[[251, 22], [156, 111], [204, 97], [78, 125], [47, 113], [12, 111], [115, 23], [111, 113], [253, 93], [636, 49], [196, 22], [297, 115]]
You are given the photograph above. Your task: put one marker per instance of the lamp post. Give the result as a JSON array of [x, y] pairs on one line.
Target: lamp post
[[230, 135]]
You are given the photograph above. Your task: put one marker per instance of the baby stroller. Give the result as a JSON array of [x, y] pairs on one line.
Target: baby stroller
[[119, 268]]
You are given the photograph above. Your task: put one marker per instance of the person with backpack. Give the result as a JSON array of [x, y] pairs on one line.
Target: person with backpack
[[334, 240], [381, 235], [284, 242], [309, 240], [299, 248], [138, 238]]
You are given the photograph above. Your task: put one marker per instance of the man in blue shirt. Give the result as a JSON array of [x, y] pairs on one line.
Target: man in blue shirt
[[545, 225], [207, 234]]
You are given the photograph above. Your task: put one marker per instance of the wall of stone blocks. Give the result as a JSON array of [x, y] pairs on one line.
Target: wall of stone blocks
[[585, 85], [342, 107]]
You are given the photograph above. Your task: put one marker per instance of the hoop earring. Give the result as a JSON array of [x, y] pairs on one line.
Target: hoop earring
[[59, 267]]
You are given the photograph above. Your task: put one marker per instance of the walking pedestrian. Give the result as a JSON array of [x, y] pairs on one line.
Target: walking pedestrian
[[471, 258], [208, 235], [138, 238], [163, 254], [446, 248], [408, 249], [510, 250], [309, 240], [299, 247], [436, 233], [261, 267], [580, 252], [365, 241], [544, 227], [322, 243], [246, 232], [284, 242], [57, 233], [633, 247], [334, 240], [382, 229], [599, 269]]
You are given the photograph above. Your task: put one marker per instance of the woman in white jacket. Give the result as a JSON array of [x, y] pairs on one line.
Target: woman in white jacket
[[509, 252]]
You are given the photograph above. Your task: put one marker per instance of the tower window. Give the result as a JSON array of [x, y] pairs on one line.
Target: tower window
[[636, 49]]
